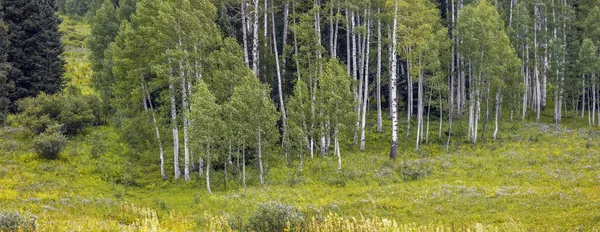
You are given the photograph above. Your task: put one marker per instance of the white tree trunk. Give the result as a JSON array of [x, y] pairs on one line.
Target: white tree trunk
[[174, 122], [419, 110], [255, 50], [286, 13], [498, 104], [260, 163], [394, 145], [244, 31], [146, 94], [208, 171], [379, 114], [366, 86], [279, 82], [337, 150]]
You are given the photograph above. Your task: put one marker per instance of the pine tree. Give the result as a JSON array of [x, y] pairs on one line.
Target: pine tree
[[35, 48], [5, 67]]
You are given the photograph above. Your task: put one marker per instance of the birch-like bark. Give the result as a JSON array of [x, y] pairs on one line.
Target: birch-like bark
[[498, 104], [260, 163], [146, 94], [174, 122], [279, 82], [409, 98], [244, 31], [394, 145], [536, 71], [255, 50], [208, 170], [337, 150], [354, 75], [379, 114], [419, 109], [286, 16], [366, 85]]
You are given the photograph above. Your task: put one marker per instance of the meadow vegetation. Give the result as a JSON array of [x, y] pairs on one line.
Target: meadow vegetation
[[533, 177]]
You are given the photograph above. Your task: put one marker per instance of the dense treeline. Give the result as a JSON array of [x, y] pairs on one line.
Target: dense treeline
[[30, 59], [215, 82]]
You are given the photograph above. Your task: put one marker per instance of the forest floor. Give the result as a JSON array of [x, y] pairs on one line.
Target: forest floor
[[533, 177]]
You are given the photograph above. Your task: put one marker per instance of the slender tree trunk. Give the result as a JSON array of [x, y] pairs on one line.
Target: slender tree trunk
[[441, 115], [244, 163], [428, 112], [286, 16], [394, 147], [337, 150], [348, 43], [583, 96], [279, 82], [538, 99], [244, 31], [526, 82], [260, 163], [147, 99], [174, 122], [354, 74], [208, 170], [409, 86], [366, 85], [379, 114], [498, 103], [419, 108], [255, 50]]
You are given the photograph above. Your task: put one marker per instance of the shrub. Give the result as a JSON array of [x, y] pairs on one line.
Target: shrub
[[73, 110], [14, 221], [276, 216], [414, 169], [50, 143]]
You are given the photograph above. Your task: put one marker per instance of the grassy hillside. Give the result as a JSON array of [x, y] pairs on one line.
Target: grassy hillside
[[534, 177]]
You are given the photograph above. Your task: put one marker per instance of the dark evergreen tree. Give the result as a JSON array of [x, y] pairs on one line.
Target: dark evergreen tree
[[4, 66], [35, 48]]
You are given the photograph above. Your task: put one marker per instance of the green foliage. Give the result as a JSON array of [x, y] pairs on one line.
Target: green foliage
[[276, 216], [72, 110], [50, 143], [15, 221], [35, 48]]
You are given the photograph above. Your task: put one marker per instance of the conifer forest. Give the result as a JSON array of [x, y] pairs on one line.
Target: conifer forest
[[297, 115]]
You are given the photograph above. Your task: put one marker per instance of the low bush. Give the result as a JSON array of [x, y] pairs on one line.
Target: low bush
[[411, 170], [276, 216], [14, 221], [73, 110], [50, 143]]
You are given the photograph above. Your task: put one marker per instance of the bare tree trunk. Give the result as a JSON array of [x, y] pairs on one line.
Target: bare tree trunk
[[174, 122], [244, 31], [536, 72], [409, 86], [147, 99], [337, 149], [354, 74], [379, 114], [526, 82], [208, 170], [286, 16], [394, 147], [255, 50], [583, 97], [498, 103], [244, 164], [419, 108], [260, 163], [279, 84], [348, 43], [366, 84], [428, 112]]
